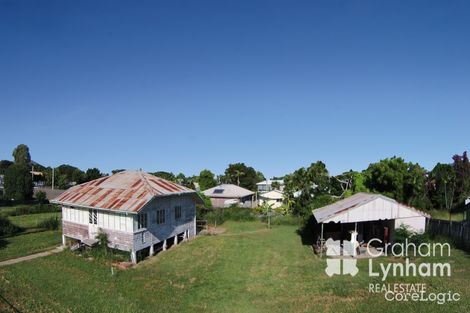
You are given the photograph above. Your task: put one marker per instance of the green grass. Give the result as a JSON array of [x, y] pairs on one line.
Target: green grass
[[444, 215], [26, 244], [8, 210], [32, 220], [246, 269]]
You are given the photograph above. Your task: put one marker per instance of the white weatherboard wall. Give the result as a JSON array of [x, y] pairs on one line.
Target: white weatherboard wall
[[417, 224], [107, 220]]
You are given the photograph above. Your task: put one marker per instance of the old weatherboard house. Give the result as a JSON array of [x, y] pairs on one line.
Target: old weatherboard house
[[138, 212]]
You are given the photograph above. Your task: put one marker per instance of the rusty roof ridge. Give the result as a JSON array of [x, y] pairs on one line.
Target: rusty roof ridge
[[147, 185]]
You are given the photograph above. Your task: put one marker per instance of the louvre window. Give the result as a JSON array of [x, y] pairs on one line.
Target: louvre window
[[160, 216], [142, 220], [177, 212], [93, 216]]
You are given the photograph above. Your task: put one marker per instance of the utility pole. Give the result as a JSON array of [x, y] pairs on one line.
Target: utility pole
[[52, 178]]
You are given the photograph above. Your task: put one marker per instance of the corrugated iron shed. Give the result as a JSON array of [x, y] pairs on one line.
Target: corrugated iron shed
[[127, 191], [365, 207]]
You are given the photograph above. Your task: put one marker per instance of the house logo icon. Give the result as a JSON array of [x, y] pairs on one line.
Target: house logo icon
[[337, 255]]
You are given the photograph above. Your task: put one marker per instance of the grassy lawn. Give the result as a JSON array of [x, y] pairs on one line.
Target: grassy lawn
[[246, 269], [22, 245], [7, 210], [31, 220]]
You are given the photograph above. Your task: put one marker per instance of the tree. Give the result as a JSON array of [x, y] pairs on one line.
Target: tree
[[71, 173], [18, 183], [242, 175], [78, 176], [93, 173], [441, 186], [21, 155], [308, 188], [393, 177], [206, 180], [461, 168], [41, 197], [4, 164], [275, 185], [186, 181], [165, 175]]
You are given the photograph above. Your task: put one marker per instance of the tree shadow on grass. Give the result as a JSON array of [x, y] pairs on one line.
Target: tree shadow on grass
[[3, 243], [8, 304], [309, 232]]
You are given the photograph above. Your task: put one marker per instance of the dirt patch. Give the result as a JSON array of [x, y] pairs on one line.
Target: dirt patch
[[213, 231]]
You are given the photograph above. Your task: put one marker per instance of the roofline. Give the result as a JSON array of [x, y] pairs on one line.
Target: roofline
[[229, 197], [375, 197], [91, 207], [122, 211]]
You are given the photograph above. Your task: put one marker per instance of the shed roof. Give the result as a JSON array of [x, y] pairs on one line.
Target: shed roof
[[227, 191], [127, 191], [365, 207]]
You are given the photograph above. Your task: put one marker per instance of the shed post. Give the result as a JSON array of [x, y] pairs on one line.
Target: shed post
[[152, 252], [164, 245], [176, 239], [63, 240], [321, 241]]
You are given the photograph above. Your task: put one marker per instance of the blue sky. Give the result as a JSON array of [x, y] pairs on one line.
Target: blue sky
[[187, 85]]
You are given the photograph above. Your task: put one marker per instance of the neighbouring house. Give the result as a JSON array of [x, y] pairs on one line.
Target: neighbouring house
[[370, 215], [139, 212], [225, 195], [274, 198], [267, 185]]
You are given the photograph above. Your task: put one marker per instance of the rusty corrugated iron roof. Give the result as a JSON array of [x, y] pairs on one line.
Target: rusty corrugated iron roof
[[125, 191]]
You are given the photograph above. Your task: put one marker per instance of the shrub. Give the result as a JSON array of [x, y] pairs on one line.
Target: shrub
[[51, 223], [33, 209], [284, 220], [402, 233], [219, 216], [102, 239], [7, 228], [41, 197]]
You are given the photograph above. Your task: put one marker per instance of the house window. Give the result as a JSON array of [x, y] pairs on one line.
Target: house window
[[177, 212], [93, 216], [142, 220], [160, 216]]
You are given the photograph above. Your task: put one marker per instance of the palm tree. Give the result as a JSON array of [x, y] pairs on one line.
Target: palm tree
[[239, 173]]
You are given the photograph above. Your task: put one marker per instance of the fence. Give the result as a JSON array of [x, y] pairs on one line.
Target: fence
[[458, 232]]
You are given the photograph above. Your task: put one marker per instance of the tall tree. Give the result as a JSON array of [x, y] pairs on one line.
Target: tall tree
[[308, 188], [441, 186], [18, 182], [461, 167], [165, 175], [405, 182], [4, 164], [21, 155], [242, 175], [93, 173], [206, 180]]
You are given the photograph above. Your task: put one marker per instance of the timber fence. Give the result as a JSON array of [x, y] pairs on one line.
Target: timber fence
[[458, 232]]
